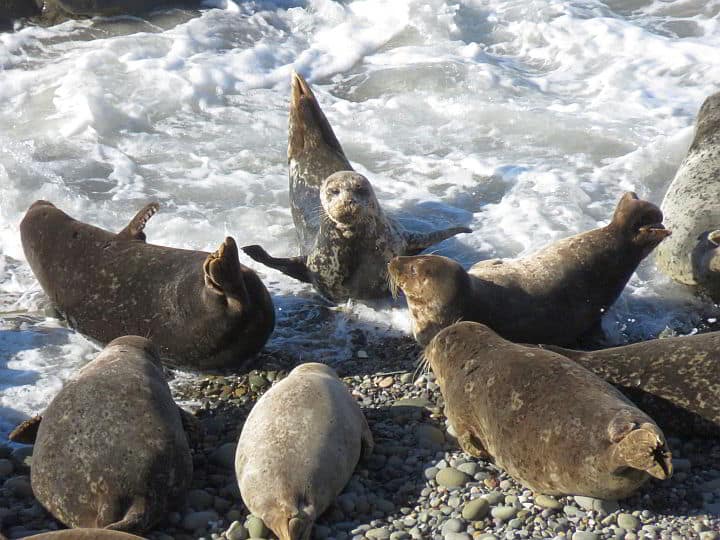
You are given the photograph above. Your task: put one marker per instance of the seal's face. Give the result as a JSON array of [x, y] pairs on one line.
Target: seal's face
[[423, 277], [641, 222], [457, 349], [348, 198]]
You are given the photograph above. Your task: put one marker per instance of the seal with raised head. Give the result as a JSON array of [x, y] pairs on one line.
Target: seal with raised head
[[354, 244], [110, 449], [675, 380], [692, 209], [204, 310], [85, 534], [556, 295], [298, 448], [551, 424]]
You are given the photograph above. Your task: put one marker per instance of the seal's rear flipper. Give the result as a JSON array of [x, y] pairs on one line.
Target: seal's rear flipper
[[644, 448], [27, 431], [417, 242], [294, 267], [223, 273], [298, 527], [134, 229], [134, 520]]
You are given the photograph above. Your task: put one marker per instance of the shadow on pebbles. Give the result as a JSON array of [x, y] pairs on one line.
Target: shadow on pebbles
[[417, 484]]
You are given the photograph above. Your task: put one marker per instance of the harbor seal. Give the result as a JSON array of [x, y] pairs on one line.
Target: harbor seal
[[556, 295], [204, 310], [692, 209], [11, 10], [110, 450], [298, 449], [84, 534], [354, 243], [552, 425], [675, 380]]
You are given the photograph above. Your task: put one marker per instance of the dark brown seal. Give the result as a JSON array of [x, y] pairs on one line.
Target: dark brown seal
[[551, 424], [110, 450], [675, 380], [354, 244], [85, 534], [204, 310], [553, 296]]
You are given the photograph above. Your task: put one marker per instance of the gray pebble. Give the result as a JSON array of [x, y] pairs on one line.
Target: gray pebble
[[584, 535], [452, 525], [199, 520], [476, 509], [380, 533], [6, 467], [256, 527], [548, 502], [628, 521], [236, 531], [503, 513], [451, 478], [19, 486], [224, 456], [597, 505]]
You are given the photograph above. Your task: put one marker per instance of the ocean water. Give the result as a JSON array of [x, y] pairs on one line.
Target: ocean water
[[525, 120]]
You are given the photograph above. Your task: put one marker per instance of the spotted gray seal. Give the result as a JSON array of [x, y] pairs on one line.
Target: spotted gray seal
[[110, 449], [555, 295], [85, 534], [551, 424], [692, 209], [204, 310], [675, 380], [298, 448], [354, 243]]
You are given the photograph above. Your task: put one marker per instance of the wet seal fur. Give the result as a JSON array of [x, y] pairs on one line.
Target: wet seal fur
[[298, 449], [110, 450], [354, 244], [692, 209], [552, 425], [675, 380], [85, 534], [204, 310], [556, 295]]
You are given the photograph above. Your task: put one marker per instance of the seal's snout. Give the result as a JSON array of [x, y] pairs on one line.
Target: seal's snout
[[40, 203]]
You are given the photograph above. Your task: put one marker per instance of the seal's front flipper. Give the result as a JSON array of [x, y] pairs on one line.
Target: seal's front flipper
[[223, 273], [643, 448], [27, 431], [191, 426], [134, 229], [472, 446], [294, 267], [136, 517], [417, 242]]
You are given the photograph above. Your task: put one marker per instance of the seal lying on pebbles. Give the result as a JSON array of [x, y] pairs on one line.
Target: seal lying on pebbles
[[551, 424], [85, 534], [675, 380], [354, 244], [298, 449], [110, 449], [552, 296], [204, 310], [692, 208]]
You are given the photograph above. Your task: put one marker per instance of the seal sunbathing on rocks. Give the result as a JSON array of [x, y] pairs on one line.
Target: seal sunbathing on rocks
[[354, 244], [675, 380], [692, 209], [298, 448], [204, 310], [85, 534], [551, 424], [553, 296], [110, 449]]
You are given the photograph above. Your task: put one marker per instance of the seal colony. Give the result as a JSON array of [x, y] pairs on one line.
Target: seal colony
[[555, 295], [539, 414], [204, 310]]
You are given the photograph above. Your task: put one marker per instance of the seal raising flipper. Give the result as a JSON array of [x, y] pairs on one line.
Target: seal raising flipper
[[27, 431], [642, 448], [134, 229], [295, 267], [314, 153], [417, 242]]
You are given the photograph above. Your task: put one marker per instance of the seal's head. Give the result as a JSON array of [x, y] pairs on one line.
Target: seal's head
[[708, 121], [705, 259], [136, 342], [639, 222], [348, 199], [436, 289]]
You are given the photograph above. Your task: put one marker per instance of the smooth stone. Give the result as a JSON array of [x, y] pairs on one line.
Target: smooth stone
[[256, 527], [199, 499], [19, 486], [6, 467], [399, 535], [457, 536], [503, 513], [476, 509], [379, 533], [451, 478], [515, 523], [452, 525], [236, 531], [225, 455], [597, 505], [573, 511], [199, 520], [711, 485], [548, 502], [681, 464], [584, 535], [628, 521], [428, 435], [494, 497], [468, 468]]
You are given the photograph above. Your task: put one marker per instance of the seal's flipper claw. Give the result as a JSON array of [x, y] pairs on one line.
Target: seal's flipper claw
[[417, 242], [223, 273], [645, 449], [135, 519], [472, 446], [134, 229], [295, 267], [27, 431]]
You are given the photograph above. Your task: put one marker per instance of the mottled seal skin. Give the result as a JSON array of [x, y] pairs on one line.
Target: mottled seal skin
[[692, 209], [111, 451], [204, 310], [675, 380], [354, 244], [551, 424], [85, 534], [555, 295], [298, 449]]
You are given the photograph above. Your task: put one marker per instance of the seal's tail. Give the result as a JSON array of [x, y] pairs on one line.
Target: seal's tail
[[645, 449], [298, 527]]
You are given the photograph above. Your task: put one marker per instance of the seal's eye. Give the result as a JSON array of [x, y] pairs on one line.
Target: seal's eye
[[334, 191], [362, 191]]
